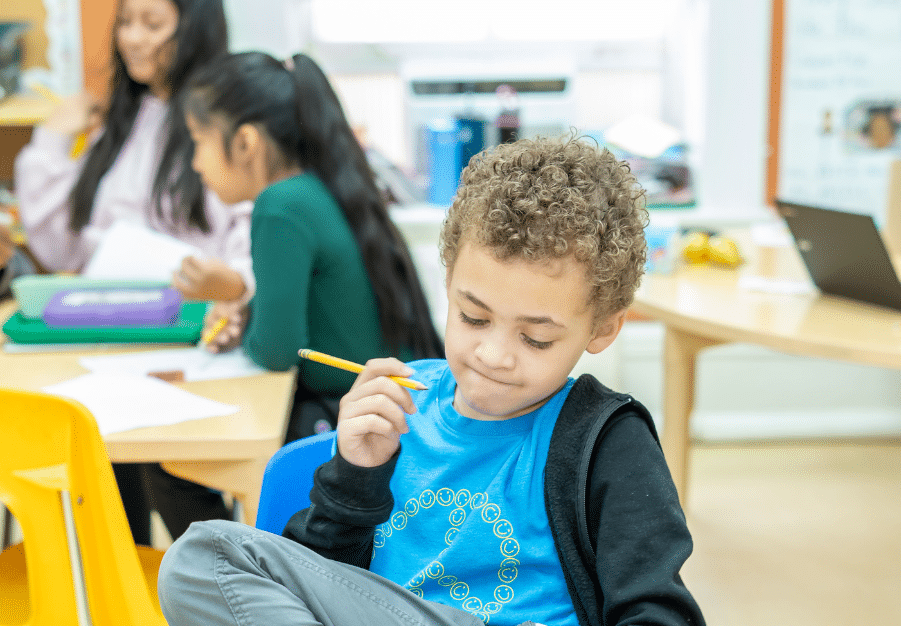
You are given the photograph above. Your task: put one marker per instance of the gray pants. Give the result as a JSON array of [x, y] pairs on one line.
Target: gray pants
[[222, 572]]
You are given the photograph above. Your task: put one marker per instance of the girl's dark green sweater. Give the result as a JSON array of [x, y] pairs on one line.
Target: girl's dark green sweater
[[312, 288]]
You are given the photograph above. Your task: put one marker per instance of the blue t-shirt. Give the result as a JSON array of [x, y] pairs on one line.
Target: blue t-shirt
[[469, 527]]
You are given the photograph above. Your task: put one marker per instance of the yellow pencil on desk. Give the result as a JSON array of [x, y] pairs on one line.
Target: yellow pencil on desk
[[356, 368], [214, 330], [81, 140]]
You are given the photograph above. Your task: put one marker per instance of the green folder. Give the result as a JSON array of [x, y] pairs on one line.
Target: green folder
[[186, 329]]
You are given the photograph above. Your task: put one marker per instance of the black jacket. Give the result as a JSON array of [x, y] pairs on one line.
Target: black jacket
[[613, 509]]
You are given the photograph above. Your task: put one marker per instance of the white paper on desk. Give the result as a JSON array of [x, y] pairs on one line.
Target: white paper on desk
[[132, 251], [122, 402], [785, 286], [196, 363]]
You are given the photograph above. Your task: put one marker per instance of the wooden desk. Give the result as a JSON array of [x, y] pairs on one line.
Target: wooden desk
[[702, 307], [24, 110], [226, 453], [18, 115]]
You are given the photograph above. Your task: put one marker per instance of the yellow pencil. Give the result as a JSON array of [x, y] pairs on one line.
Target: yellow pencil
[[209, 335], [78, 146], [356, 368]]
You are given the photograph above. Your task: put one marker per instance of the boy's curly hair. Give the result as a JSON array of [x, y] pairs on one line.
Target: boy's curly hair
[[544, 199]]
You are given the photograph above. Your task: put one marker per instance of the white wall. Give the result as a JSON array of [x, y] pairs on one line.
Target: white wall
[[747, 392], [711, 80], [733, 118], [274, 26]]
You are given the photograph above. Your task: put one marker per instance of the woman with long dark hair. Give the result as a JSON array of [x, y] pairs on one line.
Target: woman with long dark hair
[[333, 273], [138, 168], [138, 164]]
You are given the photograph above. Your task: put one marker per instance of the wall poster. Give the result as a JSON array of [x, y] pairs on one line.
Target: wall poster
[[840, 107]]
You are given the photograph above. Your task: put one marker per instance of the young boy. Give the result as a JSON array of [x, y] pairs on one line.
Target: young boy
[[506, 492]]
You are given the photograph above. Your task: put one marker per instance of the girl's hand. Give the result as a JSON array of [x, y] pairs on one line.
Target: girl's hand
[[75, 114], [230, 336], [373, 413], [208, 279]]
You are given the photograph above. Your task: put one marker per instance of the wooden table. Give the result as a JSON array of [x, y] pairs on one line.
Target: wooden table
[[701, 306], [19, 113], [226, 453]]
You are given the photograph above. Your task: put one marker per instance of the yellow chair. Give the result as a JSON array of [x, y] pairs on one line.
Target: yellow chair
[[79, 564]]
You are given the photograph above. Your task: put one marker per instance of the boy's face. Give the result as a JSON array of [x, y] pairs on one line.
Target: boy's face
[[515, 330]]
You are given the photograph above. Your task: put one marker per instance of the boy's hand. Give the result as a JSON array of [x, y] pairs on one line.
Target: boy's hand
[[373, 413], [208, 279], [230, 336]]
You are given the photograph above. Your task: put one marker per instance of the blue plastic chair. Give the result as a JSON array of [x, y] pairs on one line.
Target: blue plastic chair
[[288, 480]]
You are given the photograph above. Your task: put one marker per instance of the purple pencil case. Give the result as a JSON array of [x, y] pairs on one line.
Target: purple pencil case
[[113, 307]]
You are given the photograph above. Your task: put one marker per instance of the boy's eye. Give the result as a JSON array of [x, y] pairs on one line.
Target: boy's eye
[[540, 345], [471, 320]]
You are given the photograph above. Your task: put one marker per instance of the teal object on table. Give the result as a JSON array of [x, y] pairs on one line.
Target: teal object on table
[[33, 292], [186, 329]]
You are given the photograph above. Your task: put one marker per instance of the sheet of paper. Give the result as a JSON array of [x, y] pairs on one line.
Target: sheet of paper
[[775, 285], [135, 252], [196, 363], [122, 401]]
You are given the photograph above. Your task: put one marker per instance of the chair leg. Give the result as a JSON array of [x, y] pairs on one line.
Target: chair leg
[[5, 538]]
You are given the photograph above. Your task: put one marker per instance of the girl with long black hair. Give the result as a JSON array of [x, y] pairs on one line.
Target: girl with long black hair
[[138, 164], [333, 273]]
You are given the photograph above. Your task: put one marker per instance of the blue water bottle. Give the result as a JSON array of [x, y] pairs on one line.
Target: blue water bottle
[[444, 160]]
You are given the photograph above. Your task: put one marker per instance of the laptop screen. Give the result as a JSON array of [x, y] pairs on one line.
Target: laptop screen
[[844, 253]]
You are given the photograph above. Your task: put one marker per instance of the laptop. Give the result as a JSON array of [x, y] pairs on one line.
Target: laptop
[[844, 253]]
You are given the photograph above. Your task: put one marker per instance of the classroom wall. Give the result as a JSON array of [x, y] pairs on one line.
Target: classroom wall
[[712, 82], [732, 116], [715, 85]]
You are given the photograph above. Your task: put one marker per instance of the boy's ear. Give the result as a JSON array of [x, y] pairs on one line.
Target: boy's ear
[[245, 143], [606, 332]]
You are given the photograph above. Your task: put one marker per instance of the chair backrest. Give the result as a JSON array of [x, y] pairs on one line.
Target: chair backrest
[[51, 454], [288, 480]]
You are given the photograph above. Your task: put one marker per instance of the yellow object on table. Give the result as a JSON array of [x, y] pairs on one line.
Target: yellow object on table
[[696, 248], [700, 247], [724, 251]]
